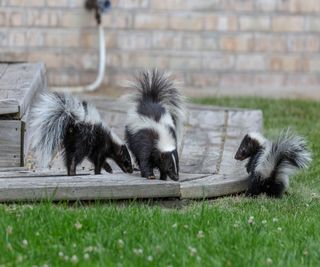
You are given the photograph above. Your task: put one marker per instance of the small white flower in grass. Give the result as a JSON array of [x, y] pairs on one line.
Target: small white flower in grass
[[264, 222], [269, 261], [138, 251], [275, 219], [60, 254], [74, 245], [175, 225], [9, 246], [198, 258], [25, 242], [86, 256], [45, 265], [120, 243], [314, 194], [236, 225], [186, 226], [66, 258], [88, 249], [305, 252], [279, 229], [19, 258], [251, 220], [192, 250], [9, 230], [307, 205], [78, 225], [200, 234], [149, 258], [74, 259]]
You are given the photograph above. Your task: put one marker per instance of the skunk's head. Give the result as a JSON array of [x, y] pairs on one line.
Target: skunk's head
[[168, 163], [122, 157], [250, 145]]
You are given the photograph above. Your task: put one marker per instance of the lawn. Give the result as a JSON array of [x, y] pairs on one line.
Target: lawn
[[282, 232]]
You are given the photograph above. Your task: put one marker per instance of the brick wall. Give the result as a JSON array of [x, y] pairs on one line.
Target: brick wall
[[215, 46]]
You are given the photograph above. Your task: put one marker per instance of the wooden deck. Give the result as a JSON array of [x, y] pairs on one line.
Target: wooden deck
[[211, 138], [208, 169]]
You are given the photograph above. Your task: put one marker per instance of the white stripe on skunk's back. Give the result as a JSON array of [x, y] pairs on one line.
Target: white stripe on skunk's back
[[137, 122]]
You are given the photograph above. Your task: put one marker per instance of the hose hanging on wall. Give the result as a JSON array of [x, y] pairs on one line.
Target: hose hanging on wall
[[99, 7]]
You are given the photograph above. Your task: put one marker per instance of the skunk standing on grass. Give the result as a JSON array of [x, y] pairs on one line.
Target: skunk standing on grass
[[61, 122], [154, 125], [272, 163]]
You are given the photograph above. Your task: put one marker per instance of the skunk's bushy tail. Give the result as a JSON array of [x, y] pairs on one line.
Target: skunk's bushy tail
[[50, 117], [287, 154], [160, 87]]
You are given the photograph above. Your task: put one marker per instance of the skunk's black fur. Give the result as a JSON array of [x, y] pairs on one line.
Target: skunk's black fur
[[272, 163], [154, 125], [61, 122]]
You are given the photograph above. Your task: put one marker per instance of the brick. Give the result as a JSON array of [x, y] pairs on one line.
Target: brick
[[182, 63], [186, 22], [186, 5], [303, 43], [165, 40], [251, 62], [35, 38], [129, 41], [217, 61], [288, 63], [288, 24], [202, 80], [300, 6], [270, 43], [314, 65], [4, 38], [27, 3], [3, 18], [58, 3], [16, 18], [129, 4], [150, 21], [62, 38], [312, 24], [255, 23], [90, 39], [77, 19], [243, 42], [238, 5], [220, 22], [17, 38], [236, 80], [266, 5], [43, 18]]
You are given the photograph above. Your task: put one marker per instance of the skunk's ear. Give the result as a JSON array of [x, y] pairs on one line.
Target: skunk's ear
[[247, 148]]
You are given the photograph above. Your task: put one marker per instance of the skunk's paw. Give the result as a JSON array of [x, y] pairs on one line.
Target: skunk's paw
[[151, 177]]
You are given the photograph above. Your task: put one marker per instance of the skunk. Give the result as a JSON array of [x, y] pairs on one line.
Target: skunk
[[272, 163], [61, 122], [154, 124]]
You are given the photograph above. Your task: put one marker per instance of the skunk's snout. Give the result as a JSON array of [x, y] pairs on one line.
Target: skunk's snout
[[174, 177], [238, 156]]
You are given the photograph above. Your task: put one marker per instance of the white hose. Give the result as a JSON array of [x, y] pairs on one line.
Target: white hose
[[102, 66]]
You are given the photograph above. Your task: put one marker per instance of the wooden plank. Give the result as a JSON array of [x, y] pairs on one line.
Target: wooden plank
[[213, 186], [109, 186], [9, 106], [20, 82], [10, 143]]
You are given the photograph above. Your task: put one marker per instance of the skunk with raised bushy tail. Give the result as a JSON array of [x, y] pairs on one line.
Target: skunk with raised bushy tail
[[272, 163], [154, 124], [61, 122]]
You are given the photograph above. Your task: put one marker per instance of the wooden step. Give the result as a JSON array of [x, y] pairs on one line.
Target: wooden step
[[19, 84]]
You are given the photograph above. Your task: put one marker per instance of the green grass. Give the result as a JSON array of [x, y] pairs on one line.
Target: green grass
[[285, 232]]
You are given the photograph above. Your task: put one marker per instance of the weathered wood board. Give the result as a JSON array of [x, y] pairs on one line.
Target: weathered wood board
[[10, 143], [19, 85], [207, 167]]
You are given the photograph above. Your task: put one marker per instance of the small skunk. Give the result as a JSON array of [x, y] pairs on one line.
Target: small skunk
[[272, 163], [61, 122], [154, 125]]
